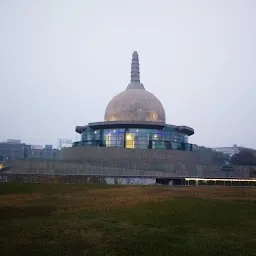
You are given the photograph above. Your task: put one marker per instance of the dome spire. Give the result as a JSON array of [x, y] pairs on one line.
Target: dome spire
[[135, 68]]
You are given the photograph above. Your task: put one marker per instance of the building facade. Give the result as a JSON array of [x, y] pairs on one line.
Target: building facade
[[12, 151], [18, 151], [47, 153], [228, 150], [62, 143]]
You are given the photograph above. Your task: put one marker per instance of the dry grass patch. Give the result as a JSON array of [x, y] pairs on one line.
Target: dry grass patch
[[19, 199], [111, 198], [128, 195], [133, 195], [202, 192], [227, 193]]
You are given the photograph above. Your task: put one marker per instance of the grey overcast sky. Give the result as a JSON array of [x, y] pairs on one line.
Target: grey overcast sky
[[62, 61]]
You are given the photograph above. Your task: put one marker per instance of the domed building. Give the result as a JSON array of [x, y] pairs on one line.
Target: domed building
[[135, 118], [133, 145]]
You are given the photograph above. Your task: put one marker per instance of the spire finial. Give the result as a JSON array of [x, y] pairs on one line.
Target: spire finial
[[135, 69]]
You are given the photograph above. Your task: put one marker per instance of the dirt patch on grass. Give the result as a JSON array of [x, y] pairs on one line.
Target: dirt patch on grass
[[216, 193], [10, 213], [132, 195], [116, 197], [19, 199]]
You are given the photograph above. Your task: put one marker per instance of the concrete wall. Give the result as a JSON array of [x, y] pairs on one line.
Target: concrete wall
[[175, 163], [149, 160], [68, 168]]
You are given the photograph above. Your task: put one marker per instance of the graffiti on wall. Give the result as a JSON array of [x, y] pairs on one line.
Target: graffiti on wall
[[136, 181], [3, 178], [109, 180], [130, 181]]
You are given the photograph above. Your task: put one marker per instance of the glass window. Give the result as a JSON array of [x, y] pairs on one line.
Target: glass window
[[113, 138], [168, 138]]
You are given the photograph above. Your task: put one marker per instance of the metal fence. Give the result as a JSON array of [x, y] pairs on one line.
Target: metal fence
[[220, 182]]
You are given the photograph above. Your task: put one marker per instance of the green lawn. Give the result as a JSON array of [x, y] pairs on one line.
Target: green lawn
[[55, 219]]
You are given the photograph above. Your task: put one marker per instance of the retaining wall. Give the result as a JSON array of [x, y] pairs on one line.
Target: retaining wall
[[67, 168], [76, 179]]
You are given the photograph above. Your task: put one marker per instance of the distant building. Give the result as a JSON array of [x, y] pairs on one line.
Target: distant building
[[65, 143], [48, 147], [48, 152], [11, 151], [37, 146], [12, 141], [42, 154], [228, 150], [15, 150]]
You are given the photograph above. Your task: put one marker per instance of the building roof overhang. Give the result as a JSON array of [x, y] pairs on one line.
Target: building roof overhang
[[134, 124]]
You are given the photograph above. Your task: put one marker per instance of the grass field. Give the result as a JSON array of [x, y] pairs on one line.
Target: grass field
[[51, 219]]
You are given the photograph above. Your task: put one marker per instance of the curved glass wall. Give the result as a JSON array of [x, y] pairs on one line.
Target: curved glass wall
[[168, 138]]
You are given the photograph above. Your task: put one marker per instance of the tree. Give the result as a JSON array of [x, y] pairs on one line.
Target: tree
[[244, 157], [217, 157], [220, 158]]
